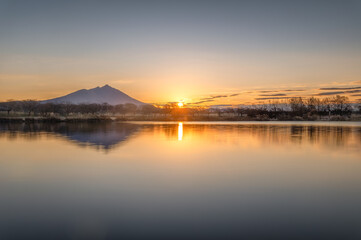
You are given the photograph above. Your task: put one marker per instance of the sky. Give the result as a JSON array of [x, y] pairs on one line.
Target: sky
[[203, 52]]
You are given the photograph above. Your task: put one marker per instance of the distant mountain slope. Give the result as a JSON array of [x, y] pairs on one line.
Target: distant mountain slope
[[105, 94]]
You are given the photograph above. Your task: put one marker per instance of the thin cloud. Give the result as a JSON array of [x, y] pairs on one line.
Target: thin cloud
[[338, 92], [214, 97], [222, 105], [282, 90], [219, 96], [353, 91], [293, 90], [273, 95], [339, 88], [203, 101], [268, 91], [272, 98], [329, 93]]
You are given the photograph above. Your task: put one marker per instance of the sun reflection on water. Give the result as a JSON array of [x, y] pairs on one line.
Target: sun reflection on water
[[180, 131]]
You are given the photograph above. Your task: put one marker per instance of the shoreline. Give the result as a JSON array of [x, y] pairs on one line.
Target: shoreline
[[152, 119]]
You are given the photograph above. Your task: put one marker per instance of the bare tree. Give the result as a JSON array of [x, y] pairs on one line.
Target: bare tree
[[29, 106], [148, 109], [340, 104], [297, 105], [130, 108]]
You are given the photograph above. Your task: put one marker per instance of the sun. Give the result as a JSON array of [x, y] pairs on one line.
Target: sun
[[180, 104]]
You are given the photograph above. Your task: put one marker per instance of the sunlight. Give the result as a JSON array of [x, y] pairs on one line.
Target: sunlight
[[180, 104], [180, 131]]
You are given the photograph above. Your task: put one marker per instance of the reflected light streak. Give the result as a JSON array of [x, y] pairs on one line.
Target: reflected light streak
[[180, 131]]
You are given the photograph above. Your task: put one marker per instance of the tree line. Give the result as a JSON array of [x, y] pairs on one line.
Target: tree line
[[305, 108], [33, 108]]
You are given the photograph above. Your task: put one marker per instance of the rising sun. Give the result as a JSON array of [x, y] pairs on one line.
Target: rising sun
[[180, 104]]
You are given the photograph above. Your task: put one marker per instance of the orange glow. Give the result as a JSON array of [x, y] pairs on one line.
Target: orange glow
[[180, 131], [180, 104]]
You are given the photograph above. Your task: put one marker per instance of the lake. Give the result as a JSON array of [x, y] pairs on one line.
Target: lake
[[151, 180]]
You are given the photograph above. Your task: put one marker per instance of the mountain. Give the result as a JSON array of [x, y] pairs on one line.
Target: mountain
[[105, 94]]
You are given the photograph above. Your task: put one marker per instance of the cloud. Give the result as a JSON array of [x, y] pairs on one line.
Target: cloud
[[328, 93], [272, 98], [353, 91], [293, 90], [338, 92], [339, 88], [356, 95], [268, 91], [214, 97], [273, 95], [221, 106], [202, 101], [219, 96], [282, 90]]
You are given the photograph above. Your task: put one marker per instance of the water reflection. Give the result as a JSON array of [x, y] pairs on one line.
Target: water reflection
[[106, 136], [180, 180], [180, 131]]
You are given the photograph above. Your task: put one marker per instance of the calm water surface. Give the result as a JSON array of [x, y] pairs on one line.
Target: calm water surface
[[180, 181]]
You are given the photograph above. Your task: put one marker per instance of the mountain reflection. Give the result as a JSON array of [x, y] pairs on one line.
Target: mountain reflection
[[105, 135], [109, 135]]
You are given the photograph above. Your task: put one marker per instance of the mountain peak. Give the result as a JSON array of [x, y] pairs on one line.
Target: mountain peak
[[100, 95], [106, 86]]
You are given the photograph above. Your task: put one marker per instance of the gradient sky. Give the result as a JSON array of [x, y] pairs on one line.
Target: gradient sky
[[160, 51]]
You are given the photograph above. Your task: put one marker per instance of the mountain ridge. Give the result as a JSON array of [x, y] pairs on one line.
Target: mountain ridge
[[99, 95]]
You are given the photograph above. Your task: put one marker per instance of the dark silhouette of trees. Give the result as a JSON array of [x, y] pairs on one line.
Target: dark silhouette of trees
[[340, 105], [326, 106], [69, 108], [9, 106], [45, 109], [105, 108], [148, 109], [297, 105], [130, 108], [119, 109], [313, 108], [29, 106], [313, 104]]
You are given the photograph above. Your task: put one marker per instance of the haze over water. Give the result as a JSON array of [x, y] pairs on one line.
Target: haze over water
[[180, 180]]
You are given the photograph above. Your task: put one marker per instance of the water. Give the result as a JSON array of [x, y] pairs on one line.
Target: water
[[180, 181]]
